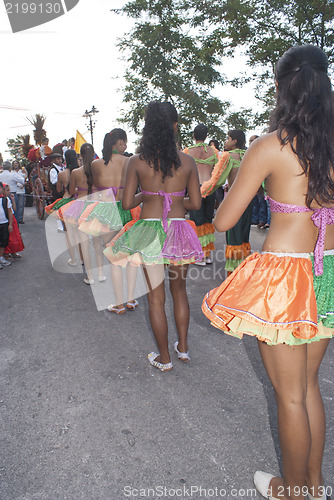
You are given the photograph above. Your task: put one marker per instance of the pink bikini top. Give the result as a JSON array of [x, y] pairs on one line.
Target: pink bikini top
[[167, 203], [321, 217], [79, 188], [111, 191]]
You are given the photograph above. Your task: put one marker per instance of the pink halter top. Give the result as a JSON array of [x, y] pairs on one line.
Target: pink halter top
[[111, 191], [321, 217], [167, 203]]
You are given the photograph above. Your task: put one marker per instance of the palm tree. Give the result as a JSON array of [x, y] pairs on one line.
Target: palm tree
[[38, 122]]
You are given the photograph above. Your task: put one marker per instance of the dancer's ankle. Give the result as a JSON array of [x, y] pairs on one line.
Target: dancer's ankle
[[315, 485]]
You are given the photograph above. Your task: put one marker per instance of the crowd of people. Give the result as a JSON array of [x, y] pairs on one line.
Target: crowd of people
[[156, 210]]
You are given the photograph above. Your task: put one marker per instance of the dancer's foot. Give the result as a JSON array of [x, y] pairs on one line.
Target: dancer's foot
[[88, 281], [183, 356], [155, 360], [117, 309], [132, 304], [269, 486]]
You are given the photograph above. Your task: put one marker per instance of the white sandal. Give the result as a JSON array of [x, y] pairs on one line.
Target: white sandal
[[183, 356], [161, 366], [115, 309], [88, 281], [262, 482]]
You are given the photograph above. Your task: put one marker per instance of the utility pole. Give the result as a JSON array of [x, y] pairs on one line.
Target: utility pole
[[90, 115]]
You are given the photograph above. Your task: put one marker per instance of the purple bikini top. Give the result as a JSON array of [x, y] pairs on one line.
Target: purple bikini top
[[321, 217], [111, 191], [167, 203]]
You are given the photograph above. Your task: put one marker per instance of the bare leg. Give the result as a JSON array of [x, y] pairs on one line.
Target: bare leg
[[156, 302], [84, 244], [177, 285], [97, 242], [70, 243], [287, 369], [316, 415], [131, 276], [117, 281]]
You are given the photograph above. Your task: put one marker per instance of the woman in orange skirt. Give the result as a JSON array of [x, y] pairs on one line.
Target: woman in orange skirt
[[284, 296]]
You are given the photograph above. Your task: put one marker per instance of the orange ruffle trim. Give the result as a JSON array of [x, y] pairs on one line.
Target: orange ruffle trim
[[237, 252], [204, 229], [269, 297], [208, 187]]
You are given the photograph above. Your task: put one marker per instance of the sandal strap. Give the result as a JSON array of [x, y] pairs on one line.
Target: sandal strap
[[117, 310], [181, 355], [161, 366]]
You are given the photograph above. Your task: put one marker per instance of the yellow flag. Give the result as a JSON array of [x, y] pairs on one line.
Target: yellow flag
[[79, 141]]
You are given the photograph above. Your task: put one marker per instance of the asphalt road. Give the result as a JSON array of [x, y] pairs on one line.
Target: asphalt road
[[84, 415]]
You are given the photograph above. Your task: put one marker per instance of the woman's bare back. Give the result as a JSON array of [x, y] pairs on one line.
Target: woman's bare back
[[286, 183], [112, 174], [184, 177]]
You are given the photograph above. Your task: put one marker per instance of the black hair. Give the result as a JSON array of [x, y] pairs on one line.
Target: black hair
[[1, 185], [88, 155], [16, 161], [157, 145], [303, 117], [200, 132], [109, 141], [239, 136], [71, 159], [215, 143]]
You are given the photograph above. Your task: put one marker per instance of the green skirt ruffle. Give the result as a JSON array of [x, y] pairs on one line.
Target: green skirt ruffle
[[324, 292]]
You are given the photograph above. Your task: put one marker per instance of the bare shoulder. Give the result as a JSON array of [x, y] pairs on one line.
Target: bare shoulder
[[134, 161], [265, 143], [96, 164], [187, 160], [211, 151], [75, 172]]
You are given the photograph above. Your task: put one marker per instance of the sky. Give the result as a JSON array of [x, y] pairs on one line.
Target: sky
[[64, 67]]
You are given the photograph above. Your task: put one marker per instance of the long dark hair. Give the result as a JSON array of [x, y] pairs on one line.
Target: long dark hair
[[71, 159], [88, 155], [304, 117], [157, 145], [109, 142]]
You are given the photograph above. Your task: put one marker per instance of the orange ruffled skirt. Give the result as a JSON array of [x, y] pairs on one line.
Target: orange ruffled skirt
[[270, 297]]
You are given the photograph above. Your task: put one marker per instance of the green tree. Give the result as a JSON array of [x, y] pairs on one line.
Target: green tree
[[19, 147], [264, 30], [176, 47], [168, 60]]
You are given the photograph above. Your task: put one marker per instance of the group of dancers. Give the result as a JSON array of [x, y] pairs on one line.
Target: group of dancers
[[283, 296]]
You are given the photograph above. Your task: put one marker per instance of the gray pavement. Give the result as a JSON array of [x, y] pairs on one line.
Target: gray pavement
[[84, 416]]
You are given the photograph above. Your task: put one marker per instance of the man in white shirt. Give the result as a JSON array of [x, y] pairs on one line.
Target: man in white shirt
[[12, 178], [56, 167]]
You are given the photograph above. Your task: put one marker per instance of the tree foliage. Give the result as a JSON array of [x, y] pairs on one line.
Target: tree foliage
[[174, 52], [19, 148], [168, 60]]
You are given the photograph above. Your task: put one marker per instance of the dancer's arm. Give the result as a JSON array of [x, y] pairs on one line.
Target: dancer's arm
[[254, 168], [194, 199], [130, 198], [73, 182]]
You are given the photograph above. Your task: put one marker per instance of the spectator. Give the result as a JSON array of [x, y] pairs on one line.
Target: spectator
[[6, 225], [15, 243], [20, 192], [12, 178]]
